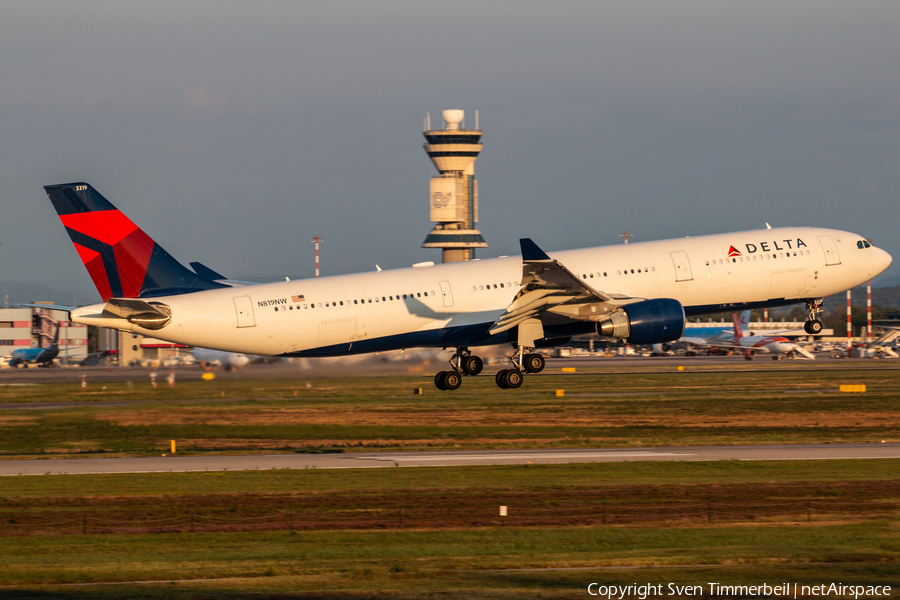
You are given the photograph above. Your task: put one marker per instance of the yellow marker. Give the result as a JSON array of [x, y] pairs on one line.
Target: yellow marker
[[681, 368], [417, 391], [853, 388], [568, 369], [560, 393], [172, 442], [208, 377]]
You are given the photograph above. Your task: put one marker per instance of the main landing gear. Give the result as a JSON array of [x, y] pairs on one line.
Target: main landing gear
[[813, 326], [523, 362], [463, 363]]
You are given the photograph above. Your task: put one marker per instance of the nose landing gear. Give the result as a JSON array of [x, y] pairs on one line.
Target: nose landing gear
[[813, 325]]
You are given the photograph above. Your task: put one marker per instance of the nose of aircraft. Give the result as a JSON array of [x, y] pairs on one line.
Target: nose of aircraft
[[885, 259]]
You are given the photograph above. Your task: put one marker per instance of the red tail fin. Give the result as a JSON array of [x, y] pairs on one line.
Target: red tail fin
[[738, 332], [123, 261]]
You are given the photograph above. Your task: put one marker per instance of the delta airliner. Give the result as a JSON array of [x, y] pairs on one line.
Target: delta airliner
[[640, 292]]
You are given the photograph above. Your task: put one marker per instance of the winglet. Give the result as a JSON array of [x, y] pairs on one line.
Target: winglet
[[531, 252]]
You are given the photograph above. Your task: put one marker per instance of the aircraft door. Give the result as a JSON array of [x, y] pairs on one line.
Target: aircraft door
[[682, 266], [244, 309], [447, 293], [831, 253]]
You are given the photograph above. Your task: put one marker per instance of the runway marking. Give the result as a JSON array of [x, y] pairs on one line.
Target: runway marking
[[389, 458]]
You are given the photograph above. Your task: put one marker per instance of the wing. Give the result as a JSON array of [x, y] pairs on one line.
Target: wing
[[552, 293]]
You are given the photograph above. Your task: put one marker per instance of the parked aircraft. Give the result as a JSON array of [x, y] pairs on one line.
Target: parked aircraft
[[218, 358], [750, 344], [43, 357], [722, 330], [639, 292]]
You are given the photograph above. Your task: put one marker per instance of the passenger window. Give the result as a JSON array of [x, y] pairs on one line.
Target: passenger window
[[382, 299], [304, 307], [501, 285]]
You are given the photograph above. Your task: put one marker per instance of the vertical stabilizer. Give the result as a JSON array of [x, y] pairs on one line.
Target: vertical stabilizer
[[738, 329], [122, 260]]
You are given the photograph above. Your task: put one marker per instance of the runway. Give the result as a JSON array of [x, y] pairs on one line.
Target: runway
[[368, 460]]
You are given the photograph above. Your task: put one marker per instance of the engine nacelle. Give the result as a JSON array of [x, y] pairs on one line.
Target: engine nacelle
[[646, 322]]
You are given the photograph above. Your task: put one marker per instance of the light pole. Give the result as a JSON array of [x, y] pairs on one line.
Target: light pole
[[317, 240]]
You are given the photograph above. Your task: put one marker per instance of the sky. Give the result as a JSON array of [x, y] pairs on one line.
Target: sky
[[233, 132]]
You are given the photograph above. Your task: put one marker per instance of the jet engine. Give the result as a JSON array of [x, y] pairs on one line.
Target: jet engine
[[646, 322]]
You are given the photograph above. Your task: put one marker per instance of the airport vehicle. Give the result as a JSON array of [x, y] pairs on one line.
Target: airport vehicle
[[43, 357], [750, 344], [639, 293]]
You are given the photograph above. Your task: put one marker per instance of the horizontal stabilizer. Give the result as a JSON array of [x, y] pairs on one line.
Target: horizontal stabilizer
[[48, 306], [205, 272]]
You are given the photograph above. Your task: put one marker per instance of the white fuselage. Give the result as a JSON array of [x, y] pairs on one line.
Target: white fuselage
[[414, 306]]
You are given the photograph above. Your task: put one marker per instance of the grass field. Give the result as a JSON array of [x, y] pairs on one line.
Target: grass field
[[628, 409], [452, 542]]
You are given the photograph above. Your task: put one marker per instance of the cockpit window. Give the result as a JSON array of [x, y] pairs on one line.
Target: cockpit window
[[867, 244]]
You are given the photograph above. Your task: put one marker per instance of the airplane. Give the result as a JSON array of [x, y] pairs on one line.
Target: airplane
[[708, 332], [721, 331], [639, 293], [43, 357], [751, 344], [230, 360]]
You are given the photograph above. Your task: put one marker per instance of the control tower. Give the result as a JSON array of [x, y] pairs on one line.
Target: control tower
[[454, 195]]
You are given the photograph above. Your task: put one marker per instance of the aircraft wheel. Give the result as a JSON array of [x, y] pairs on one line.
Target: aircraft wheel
[[439, 381], [472, 365], [534, 363], [500, 379], [513, 379], [813, 327], [452, 380]]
